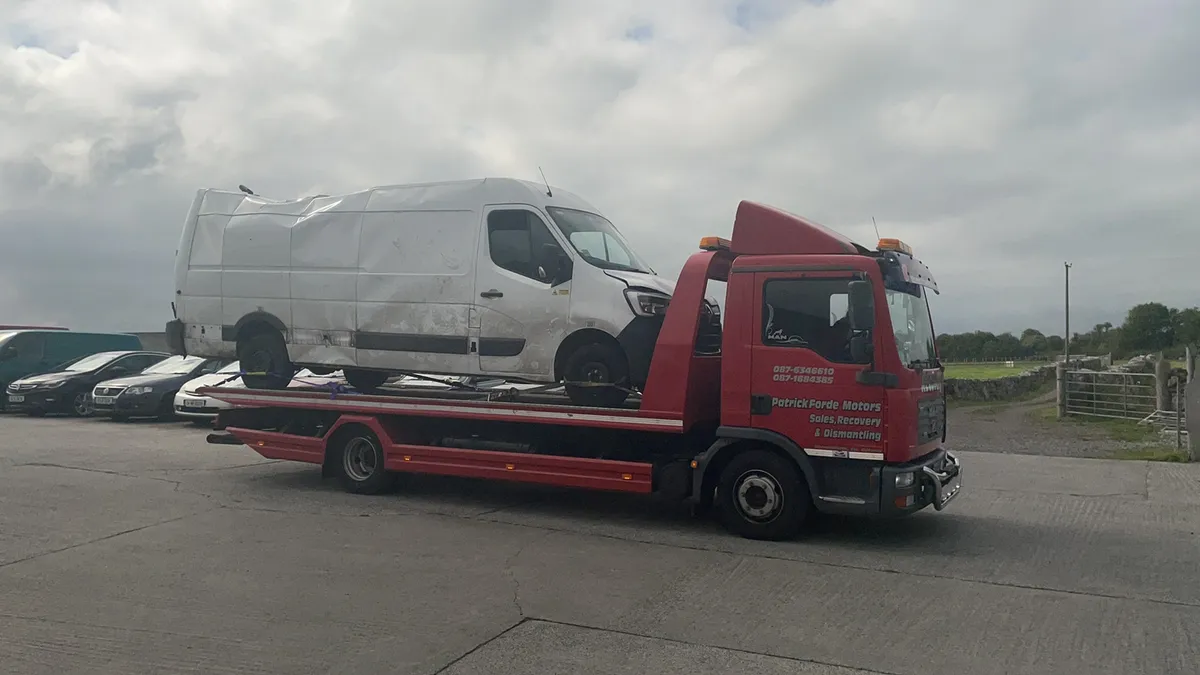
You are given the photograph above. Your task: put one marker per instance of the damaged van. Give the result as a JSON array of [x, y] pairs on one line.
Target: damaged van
[[495, 276]]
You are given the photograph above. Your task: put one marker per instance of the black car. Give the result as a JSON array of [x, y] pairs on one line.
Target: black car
[[150, 393], [68, 388]]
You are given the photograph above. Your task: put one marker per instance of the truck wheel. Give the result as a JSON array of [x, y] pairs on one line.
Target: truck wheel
[[761, 495], [361, 463], [597, 363], [265, 354], [365, 381]]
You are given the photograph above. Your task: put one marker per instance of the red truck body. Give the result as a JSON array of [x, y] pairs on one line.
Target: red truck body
[[776, 425]]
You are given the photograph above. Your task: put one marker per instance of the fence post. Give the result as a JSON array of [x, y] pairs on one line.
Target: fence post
[[1060, 388], [1190, 356], [1179, 416], [1193, 422], [1162, 389]]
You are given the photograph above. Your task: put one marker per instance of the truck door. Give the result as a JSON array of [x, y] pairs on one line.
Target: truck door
[[522, 304], [803, 382]]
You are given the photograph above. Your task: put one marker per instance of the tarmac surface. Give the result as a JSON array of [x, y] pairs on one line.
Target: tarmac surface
[[138, 548]]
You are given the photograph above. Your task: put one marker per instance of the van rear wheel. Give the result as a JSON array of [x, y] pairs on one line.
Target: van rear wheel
[[593, 366], [366, 381], [265, 361]]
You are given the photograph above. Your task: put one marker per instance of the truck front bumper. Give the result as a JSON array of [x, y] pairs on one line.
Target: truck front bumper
[[934, 480]]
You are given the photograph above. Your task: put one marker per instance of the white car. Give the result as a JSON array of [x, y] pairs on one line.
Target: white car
[[492, 277], [190, 404]]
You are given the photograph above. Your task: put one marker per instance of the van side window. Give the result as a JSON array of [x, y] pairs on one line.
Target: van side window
[[808, 314], [517, 241], [28, 346]]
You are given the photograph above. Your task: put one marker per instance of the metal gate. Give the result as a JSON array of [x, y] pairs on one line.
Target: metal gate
[[1127, 396]]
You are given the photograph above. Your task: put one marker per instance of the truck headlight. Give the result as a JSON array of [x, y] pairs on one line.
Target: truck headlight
[[905, 479], [647, 303]]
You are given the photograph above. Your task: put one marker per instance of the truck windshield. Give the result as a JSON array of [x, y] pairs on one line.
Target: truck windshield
[[596, 240], [912, 326]]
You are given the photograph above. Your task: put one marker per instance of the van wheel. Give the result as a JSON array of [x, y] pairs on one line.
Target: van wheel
[[597, 364], [360, 462], [366, 381], [265, 354], [761, 495]]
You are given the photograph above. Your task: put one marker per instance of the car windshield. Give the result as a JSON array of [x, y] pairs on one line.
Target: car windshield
[[175, 365], [89, 363], [912, 326], [596, 240], [235, 367]]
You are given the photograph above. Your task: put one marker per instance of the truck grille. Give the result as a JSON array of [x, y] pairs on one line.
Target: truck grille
[[931, 418]]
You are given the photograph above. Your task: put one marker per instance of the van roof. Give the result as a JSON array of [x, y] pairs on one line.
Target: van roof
[[404, 197]]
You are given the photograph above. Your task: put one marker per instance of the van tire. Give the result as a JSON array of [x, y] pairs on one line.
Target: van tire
[[366, 381], [597, 363], [263, 351]]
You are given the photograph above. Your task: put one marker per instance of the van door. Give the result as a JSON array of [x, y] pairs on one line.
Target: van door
[[522, 293], [415, 290], [26, 356]]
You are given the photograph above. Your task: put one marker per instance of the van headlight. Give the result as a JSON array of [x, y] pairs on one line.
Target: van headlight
[[647, 303]]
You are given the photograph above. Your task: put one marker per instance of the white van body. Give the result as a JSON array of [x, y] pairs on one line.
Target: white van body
[[447, 278]]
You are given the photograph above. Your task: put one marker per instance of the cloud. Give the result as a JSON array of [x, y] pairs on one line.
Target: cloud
[[999, 139]]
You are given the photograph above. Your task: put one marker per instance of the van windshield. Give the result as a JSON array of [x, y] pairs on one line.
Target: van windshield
[[4, 336], [596, 240]]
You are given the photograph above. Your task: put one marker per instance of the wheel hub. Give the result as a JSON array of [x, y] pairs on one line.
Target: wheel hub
[[759, 496], [360, 459]]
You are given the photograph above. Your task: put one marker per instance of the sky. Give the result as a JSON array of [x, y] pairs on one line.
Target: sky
[[997, 138]]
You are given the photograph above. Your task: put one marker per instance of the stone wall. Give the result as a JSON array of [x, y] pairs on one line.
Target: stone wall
[[1013, 387]]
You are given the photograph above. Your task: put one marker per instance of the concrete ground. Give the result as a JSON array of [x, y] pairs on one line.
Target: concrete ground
[[137, 548]]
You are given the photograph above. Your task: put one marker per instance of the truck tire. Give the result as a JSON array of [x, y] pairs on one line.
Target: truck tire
[[366, 381], [360, 459], [264, 353], [598, 364], [761, 495]]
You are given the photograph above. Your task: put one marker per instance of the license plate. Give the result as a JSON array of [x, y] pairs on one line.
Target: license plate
[[104, 400], [16, 399], [193, 403]]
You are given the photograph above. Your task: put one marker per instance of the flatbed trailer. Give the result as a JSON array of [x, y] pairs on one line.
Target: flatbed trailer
[[769, 429]]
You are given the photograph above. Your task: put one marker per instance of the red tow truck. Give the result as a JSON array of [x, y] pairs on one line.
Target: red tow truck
[[824, 393]]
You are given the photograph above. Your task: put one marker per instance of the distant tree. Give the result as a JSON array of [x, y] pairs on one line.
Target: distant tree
[[1054, 343], [1187, 326], [1148, 327]]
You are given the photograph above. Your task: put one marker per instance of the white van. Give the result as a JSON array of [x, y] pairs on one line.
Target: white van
[[495, 276]]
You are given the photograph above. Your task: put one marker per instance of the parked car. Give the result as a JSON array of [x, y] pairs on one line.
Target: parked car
[[495, 277], [190, 404], [30, 352], [68, 388], [150, 393]]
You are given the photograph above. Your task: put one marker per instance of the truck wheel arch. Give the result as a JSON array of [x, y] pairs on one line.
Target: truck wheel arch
[[733, 439]]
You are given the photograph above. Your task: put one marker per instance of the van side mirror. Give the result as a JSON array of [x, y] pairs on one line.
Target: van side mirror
[[558, 264], [861, 308]]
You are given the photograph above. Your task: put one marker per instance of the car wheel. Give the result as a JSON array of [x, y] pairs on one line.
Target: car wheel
[[81, 405]]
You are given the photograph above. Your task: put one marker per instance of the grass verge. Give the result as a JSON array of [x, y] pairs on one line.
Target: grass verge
[[989, 371]]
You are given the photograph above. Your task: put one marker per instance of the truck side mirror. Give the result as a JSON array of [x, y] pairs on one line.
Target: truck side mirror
[[861, 308]]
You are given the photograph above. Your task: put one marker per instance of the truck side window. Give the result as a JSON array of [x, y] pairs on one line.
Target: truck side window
[[809, 314], [517, 242]]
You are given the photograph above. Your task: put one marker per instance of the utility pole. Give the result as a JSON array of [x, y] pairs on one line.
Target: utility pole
[[1067, 314]]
